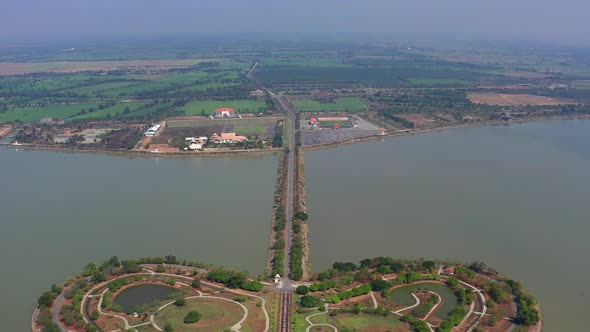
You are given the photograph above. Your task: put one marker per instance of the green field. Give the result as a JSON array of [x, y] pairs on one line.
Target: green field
[[437, 82], [209, 106], [340, 104], [255, 126], [215, 315], [350, 322], [115, 110], [30, 114], [333, 123]]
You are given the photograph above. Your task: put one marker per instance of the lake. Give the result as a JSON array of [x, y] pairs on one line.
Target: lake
[[516, 197], [134, 297], [61, 210]]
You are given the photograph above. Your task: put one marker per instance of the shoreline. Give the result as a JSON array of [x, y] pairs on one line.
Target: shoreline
[[439, 129], [259, 152]]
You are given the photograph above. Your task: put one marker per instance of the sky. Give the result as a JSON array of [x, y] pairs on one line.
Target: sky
[[563, 21]]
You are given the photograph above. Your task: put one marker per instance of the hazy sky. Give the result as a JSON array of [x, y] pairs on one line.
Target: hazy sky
[[547, 20]]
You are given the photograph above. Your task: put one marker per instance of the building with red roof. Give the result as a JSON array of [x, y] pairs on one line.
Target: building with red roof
[[225, 112]]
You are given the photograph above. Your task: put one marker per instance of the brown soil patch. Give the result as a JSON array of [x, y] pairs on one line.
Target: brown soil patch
[[14, 68], [421, 120], [4, 130], [504, 99]]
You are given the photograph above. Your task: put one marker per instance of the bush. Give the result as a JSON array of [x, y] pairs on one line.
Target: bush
[[171, 282], [180, 302], [95, 315], [192, 317], [302, 290], [253, 286], [160, 268], [241, 298], [333, 299], [168, 327]]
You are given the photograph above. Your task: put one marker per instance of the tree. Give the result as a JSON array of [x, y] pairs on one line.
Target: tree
[[56, 289], [302, 290], [98, 277], [380, 284], [477, 266], [196, 283], [344, 267], [51, 327], [170, 259], [452, 281], [428, 265], [192, 317], [308, 301], [301, 216], [180, 302], [366, 263], [46, 299], [92, 328], [114, 261]]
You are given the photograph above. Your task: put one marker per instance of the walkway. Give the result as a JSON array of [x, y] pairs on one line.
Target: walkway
[[312, 325]]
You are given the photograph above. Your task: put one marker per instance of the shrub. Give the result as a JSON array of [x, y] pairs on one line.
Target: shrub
[[241, 298], [333, 299], [160, 268], [180, 302], [95, 315], [192, 317], [253, 286], [168, 327], [171, 282]]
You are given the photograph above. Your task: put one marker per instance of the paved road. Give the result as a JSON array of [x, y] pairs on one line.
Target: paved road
[[55, 312], [282, 104]]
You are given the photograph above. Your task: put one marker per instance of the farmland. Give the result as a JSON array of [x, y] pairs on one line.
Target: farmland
[[339, 104], [29, 114], [81, 66]]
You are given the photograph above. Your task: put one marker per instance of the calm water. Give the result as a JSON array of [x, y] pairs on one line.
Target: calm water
[[402, 296], [60, 211], [516, 197], [136, 296]]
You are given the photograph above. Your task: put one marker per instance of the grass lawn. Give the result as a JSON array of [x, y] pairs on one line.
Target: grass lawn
[[112, 111], [209, 106], [30, 114], [215, 315], [340, 104], [254, 126], [364, 322], [333, 123]]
